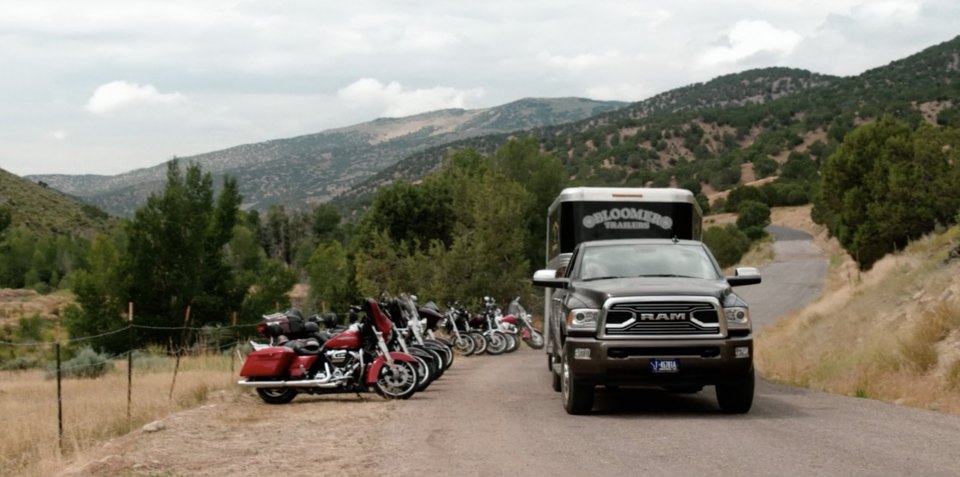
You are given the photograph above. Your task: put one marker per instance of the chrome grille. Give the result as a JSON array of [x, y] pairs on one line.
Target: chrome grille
[[662, 319]]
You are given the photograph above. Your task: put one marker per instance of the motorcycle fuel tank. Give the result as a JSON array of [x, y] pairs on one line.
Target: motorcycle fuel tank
[[349, 339]]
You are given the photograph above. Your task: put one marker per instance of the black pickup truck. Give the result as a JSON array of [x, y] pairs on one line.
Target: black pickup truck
[[649, 312]]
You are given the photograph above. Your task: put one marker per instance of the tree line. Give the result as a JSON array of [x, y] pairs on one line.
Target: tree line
[[474, 228]]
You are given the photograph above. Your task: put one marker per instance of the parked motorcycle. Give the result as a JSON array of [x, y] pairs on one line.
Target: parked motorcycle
[[417, 325], [462, 342], [354, 360], [431, 364], [497, 342], [518, 316]]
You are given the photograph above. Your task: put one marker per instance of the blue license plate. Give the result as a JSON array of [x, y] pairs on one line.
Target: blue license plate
[[664, 366]]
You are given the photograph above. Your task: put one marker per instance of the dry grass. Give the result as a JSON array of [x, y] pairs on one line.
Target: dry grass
[[22, 303], [94, 410], [892, 333]]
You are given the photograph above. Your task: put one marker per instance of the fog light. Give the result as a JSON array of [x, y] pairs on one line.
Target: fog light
[[581, 353], [741, 352]]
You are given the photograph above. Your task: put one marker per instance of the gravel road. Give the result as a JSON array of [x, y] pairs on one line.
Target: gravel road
[[498, 416]]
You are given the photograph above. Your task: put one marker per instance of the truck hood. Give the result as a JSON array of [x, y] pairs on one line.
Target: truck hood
[[595, 293]]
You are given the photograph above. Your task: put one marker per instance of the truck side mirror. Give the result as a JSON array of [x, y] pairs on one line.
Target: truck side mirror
[[548, 279], [745, 276]]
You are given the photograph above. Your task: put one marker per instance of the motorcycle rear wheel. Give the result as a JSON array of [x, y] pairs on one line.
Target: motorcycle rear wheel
[[276, 395], [399, 384]]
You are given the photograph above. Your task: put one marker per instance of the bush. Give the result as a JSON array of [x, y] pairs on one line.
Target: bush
[[727, 243], [20, 364], [755, 233], [87, 364], [752, 214]]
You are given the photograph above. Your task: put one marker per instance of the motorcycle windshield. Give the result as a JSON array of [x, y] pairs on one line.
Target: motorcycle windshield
[[380, 319]]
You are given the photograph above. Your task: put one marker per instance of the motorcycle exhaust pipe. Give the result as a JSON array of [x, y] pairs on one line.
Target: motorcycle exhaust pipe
[[307, 383]]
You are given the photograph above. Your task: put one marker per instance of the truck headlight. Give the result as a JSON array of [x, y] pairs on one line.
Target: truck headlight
[[583, 318], [737, 314]]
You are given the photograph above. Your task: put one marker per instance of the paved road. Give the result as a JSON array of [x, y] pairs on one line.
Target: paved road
[[497, 416]]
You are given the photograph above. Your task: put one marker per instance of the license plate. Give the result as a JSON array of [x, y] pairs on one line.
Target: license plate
[[664, 366]]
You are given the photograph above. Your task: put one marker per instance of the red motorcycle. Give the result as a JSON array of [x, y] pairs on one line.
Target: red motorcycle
[[352, 361], [519, 318]]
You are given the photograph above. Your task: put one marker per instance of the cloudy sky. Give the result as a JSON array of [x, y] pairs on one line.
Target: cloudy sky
[[107, 86]]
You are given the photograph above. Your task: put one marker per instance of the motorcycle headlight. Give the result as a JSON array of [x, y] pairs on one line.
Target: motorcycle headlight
[[583, 318], [737, 314]]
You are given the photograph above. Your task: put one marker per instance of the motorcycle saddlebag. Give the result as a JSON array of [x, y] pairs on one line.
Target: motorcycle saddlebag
[[268, 362]]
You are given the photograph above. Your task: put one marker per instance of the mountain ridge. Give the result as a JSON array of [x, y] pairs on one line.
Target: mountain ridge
[[311, 168], [731, 129]]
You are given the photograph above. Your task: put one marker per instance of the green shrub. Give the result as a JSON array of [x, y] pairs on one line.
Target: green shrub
[[755, 233], [20, 363], [727, 243], [87, 364], [751, 213]]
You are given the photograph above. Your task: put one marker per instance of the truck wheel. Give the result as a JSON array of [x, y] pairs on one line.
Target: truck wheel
[[554, 375], [736, 396], [577, 398]]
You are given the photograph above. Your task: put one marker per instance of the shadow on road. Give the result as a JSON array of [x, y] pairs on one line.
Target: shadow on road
[[660, 404]]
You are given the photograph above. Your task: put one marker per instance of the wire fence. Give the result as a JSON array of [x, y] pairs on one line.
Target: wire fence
[[25, 397]]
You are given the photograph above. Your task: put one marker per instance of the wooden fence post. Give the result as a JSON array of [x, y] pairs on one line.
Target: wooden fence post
[[183, 338], [59, 390], [129, 365], [236, 340]]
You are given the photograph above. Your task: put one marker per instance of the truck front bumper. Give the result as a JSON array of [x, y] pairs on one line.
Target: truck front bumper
[[633, 362]]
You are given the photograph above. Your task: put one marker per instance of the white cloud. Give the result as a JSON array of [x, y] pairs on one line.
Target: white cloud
[[586, 61], [748, 38], [416, 38], [883, 11], [650, 19], [395, 101], [119, 95], [58, 135], [619, 92]]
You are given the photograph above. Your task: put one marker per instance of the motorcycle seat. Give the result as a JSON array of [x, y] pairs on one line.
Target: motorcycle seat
[[304, 347]]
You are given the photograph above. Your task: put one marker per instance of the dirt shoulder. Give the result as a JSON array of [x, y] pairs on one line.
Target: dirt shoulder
[[236, 434]]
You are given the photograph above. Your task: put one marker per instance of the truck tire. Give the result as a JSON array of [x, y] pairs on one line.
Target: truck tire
[[736, 396], [554, 376], [577, 398]]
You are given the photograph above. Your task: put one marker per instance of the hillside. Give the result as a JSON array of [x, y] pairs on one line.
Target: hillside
[[732, 129], [892, 333], [43, 210], [316, 167]]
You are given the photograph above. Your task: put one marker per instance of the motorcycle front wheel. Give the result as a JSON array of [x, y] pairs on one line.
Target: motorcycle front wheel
[[496, 343], [276, 395], [464, 345], [535, 340], [480, 341], [399, 382], [513, 343]]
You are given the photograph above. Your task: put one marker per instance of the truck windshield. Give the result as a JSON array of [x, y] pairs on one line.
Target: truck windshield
[[646, 260]]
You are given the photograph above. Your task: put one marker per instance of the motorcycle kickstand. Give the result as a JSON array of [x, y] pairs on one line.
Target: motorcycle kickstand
[[361, 397]]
